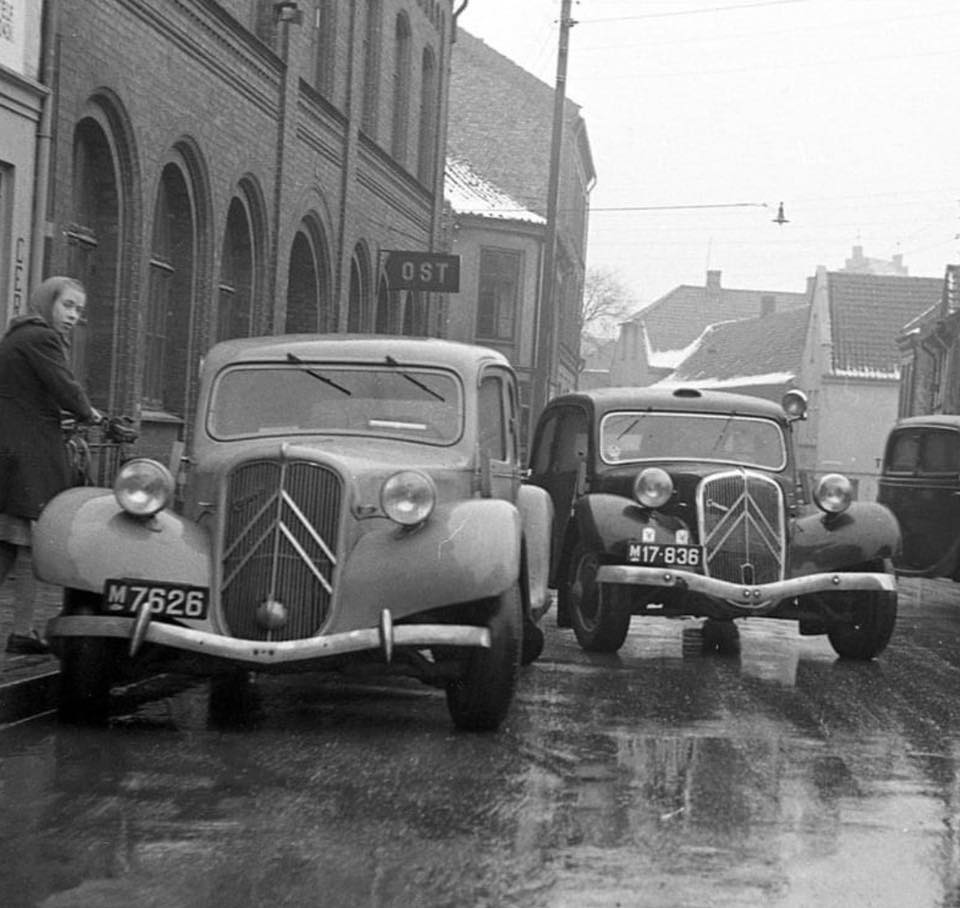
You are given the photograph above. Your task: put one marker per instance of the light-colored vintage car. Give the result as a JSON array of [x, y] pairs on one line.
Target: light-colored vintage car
[[348, 502], [688, 503]]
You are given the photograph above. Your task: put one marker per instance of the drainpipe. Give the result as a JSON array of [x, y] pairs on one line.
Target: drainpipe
[[41, 193]]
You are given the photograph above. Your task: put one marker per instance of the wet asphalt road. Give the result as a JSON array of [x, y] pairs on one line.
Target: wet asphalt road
[[782, 777]]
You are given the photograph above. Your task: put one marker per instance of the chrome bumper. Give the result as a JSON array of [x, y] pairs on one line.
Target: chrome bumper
[[256, 653], [753, 597]]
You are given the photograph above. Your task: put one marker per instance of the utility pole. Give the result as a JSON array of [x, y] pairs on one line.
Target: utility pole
[[547, 311]]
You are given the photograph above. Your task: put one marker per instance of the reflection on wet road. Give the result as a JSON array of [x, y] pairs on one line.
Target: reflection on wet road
[[781, 777]]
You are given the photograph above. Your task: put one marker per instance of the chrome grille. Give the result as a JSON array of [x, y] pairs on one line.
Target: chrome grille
[[742, 527], [280, 543]]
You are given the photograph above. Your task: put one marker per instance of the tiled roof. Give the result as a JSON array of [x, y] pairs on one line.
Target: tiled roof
[[868, 312], [501, 121], [469, 193], [677, 319], [767, 348]]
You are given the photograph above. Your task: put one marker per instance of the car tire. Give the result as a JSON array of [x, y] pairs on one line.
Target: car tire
[[87, 668], [867, 629], [479, 699], [600, 626]]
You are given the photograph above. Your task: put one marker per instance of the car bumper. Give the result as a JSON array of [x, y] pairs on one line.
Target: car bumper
[[260, 654], [756, 597]]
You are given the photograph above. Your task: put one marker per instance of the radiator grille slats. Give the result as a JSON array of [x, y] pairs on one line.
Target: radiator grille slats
[[280, 540], [742, 527]]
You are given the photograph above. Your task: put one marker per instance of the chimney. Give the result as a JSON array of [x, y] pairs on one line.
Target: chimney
[[713, 287]]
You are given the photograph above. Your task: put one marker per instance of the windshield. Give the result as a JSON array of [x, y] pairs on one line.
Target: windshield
[[308, 398], [628, 437]]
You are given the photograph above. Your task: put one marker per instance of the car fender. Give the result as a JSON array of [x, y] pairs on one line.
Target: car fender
[[536, 517], [466, 551], [865, 532], [607, 523], [83, 537]]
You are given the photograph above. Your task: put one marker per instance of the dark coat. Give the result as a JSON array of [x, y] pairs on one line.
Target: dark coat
[[35, 385]]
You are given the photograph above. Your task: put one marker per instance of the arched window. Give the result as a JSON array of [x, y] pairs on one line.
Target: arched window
[[358, 318], [308, 284], [170, 295], [235, 291], [401, 89], [382, 324], [92, 257], [427, 138], [371, 69]]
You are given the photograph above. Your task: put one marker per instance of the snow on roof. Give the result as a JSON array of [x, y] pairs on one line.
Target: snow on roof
[[742, 381], [469, 193]]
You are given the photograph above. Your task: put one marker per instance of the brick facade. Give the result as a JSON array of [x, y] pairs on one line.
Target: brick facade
[[209, 171]]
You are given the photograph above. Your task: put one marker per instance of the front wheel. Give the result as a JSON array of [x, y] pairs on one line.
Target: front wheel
[[86, 675], [479, 699], [865, 630], [600, 622]]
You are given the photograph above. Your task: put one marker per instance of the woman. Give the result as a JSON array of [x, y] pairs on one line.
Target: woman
[[36, 384]]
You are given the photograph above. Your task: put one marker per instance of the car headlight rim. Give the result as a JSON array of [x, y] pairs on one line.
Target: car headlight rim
[[653, 487], [143, 487], [833, 493], [408, 497]]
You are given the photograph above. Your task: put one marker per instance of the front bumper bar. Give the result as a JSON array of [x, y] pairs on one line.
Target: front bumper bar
[[258, 653], [757, 597]]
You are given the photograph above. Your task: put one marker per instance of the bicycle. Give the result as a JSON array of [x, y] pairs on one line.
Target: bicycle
[[96, 462]]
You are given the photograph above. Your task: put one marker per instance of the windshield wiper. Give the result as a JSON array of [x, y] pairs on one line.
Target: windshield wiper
[[292, 358], [416, 381]]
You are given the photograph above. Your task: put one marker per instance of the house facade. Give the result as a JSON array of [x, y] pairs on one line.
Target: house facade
[[851, 369], [23, 108], [498, 167], [929, 348], [222, 169]]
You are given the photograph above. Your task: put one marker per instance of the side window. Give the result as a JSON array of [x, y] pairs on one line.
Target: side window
[[540, 458], [939, 452], [492, 419], [904, 452]]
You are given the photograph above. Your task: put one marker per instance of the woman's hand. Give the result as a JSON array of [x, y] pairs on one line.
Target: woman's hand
[[96, 417]]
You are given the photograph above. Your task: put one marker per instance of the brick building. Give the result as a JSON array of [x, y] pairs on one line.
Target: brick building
[[221, 169]]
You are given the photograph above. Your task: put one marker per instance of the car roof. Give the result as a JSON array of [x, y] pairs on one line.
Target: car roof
[[354, 348], [689, 399], [933, 420]]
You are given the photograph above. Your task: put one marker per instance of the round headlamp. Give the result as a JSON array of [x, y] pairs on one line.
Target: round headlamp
[[794, 404], [408, 497], [143, 487], [653, 487], [833, 493]]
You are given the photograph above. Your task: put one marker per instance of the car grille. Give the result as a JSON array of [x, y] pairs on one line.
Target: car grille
[[280, 543], [742, 527]]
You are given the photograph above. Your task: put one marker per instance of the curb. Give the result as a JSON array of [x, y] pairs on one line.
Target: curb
[[33, 690]]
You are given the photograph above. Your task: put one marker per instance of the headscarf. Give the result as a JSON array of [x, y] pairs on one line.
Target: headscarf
[[42, 299]]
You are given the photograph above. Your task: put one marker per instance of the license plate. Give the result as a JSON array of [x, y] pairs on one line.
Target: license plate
[[655, 554], [172, 600]]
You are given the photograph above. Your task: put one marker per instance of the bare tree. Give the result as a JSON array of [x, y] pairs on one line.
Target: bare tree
[[606, 303]]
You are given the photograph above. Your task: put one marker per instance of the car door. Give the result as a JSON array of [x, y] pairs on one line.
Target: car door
[[921, 485], [560, 452]]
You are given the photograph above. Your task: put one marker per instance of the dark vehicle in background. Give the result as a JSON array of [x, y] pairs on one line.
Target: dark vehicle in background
[[688, 503], [350, 503], [920, 483]]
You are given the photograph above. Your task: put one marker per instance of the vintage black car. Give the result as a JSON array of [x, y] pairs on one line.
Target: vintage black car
[[920, 483], [689, 503], [351, 503]]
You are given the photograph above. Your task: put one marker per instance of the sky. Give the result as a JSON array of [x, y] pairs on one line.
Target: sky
[[704, 115]]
